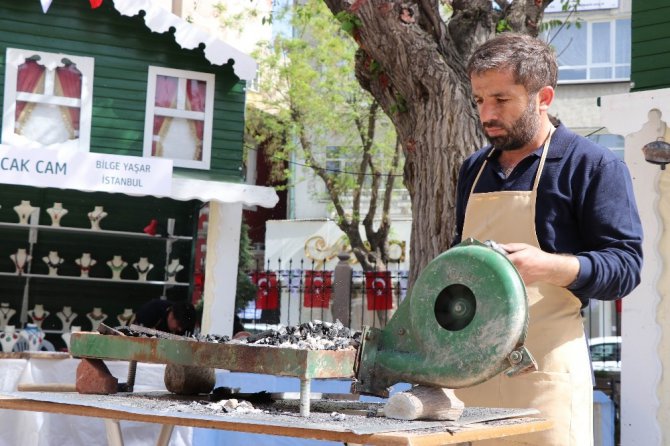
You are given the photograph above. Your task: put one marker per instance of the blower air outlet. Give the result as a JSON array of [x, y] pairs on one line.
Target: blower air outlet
[[455, 307]]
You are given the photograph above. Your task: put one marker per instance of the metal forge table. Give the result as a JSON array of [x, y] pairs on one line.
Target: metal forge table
[[236, 357]]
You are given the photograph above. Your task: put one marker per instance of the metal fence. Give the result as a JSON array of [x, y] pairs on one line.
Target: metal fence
[[290, 294]]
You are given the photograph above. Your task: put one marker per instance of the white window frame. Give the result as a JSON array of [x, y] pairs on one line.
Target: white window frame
[[589, 64], [207, 116], [16, 57]]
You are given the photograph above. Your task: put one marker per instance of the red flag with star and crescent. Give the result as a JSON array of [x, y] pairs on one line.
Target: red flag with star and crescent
[[267, 294], [379, 290], [318, 289]]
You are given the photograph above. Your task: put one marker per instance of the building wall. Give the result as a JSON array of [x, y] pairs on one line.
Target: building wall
[[576, 104], [643, 117], [294, 242]]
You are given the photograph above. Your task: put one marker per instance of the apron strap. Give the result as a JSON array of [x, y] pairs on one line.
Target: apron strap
[[543, 157]]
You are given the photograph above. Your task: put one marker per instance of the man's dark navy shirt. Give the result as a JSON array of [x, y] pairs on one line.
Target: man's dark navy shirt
[[585, 206]]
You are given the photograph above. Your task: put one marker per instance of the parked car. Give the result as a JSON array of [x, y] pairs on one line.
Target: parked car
[[606, 353]]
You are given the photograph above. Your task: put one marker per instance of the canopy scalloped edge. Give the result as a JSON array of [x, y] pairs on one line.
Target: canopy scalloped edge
[[188, 36], [223, 192]]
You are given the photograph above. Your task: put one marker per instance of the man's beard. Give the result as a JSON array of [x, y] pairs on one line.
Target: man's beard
[[520, 133]]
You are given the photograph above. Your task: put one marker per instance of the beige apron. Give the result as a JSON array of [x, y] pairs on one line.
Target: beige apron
[[562, 388]]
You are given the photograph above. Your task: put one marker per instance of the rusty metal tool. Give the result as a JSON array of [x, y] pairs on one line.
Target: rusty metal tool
[[107, 330], [129, 385], [158, 333], [299, 363]]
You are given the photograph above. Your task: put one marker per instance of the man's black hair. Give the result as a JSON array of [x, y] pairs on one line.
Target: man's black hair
[[184, 312]]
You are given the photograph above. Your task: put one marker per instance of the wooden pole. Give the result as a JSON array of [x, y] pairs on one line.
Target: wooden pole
[[424, 402]]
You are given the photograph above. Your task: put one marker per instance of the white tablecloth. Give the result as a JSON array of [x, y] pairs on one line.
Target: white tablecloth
[[24, 428]]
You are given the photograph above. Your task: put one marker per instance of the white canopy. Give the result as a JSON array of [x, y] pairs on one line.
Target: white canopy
[[188, 36], [184, 188]]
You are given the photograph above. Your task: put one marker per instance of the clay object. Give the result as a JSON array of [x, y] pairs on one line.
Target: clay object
[[33, 336], [24, 210], [66, 316], [143, 266], [37, 315], [152, 227], [96, 317], [6, 314], [20, 258], [8, 338], [97, 214], [53, 261], [85, 263], [67, 335], [117, 264], [172, 269], [57, 212]]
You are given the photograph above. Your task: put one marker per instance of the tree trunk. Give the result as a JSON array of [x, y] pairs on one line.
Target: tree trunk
[[414, 66]]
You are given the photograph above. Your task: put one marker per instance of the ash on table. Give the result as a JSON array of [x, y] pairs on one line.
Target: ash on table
[[314, 335]]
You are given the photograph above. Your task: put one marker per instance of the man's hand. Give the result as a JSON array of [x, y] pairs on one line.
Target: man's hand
[[535, 265]]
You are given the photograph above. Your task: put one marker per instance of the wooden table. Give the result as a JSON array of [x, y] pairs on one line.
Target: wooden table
[[382, 432]]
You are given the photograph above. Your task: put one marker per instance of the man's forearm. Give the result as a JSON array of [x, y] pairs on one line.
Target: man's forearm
[[535, 265]]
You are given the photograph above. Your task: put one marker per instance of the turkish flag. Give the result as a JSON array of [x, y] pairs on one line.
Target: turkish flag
[[379, 290], [267, 295], [318, 289]]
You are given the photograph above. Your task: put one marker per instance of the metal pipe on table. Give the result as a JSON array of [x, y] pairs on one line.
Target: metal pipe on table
[[305, 396]]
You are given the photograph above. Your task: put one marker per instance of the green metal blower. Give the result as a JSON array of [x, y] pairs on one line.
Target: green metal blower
[[464, 321]]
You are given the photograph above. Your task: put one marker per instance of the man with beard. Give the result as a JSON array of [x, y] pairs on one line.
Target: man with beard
[[563, 208]]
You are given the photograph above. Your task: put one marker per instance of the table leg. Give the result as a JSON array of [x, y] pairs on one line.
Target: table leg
[[113, 428], [115, 438], [165, 434], [305, 395]]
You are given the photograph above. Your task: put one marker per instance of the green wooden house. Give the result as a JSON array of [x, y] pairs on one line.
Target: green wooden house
[[650, 46], [122, 108]]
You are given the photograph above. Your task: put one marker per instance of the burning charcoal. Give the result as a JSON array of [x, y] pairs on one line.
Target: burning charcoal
[[284, 338], [253, 338], [313, 335]]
